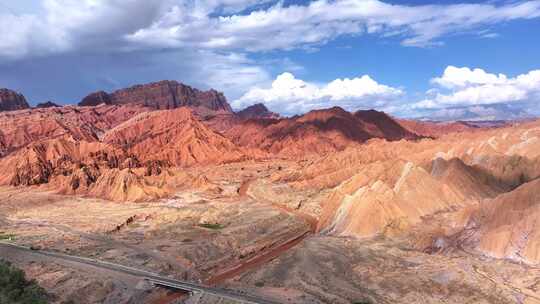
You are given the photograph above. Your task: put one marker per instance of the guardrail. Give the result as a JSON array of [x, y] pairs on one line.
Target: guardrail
[[153, 278]]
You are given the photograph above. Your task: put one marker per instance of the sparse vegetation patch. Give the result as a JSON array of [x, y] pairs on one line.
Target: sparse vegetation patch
[[16, 289], [6, 236], [213, 226]]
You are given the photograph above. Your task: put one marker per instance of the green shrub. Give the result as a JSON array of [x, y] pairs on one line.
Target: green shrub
[[211, 226], [16, 289], [259, 284], [8, 237]]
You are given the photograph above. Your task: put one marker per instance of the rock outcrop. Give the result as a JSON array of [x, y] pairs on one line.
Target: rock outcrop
[[11, 101], [161, 95], [96, 98], [47, 104], [258, 110], [40, 162], [71, 166]]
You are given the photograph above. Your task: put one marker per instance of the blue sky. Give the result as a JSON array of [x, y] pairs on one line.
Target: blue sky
[[410, 58]]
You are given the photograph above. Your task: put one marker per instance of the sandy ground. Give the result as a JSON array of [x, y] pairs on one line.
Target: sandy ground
[[253, 236], [199, 236], [324, 269]]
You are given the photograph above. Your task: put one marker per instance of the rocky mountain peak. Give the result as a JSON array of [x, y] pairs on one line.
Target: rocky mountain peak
[[11, 101], [165, 94], [258, 110]]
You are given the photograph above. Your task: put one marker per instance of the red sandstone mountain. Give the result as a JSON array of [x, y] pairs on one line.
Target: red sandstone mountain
[[389, 128], [396, 194], [319, 131], [258, 110], [224, 121], [96, 98], [41, 161], [21, 128], [115, 152], [161, 95], [59, 146], [176, 137], [89, 168], [11, 100]]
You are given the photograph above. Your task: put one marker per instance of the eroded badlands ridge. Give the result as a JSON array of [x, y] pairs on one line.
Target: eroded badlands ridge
[[328, 206], [316, 132], [95, 150], [480, 178], [126, 142]]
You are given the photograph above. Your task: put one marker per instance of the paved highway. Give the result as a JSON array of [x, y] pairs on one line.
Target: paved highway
[[153, 278]]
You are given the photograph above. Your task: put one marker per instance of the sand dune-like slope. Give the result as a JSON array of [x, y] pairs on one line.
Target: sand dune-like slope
[[394, 195], [389, 187]]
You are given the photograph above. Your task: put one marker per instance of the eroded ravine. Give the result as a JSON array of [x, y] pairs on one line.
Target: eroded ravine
[[267, 254]]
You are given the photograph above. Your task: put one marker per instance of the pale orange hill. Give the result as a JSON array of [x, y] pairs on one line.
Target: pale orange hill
[[397, 194], [389, 187], [173, 136], [507, 226]]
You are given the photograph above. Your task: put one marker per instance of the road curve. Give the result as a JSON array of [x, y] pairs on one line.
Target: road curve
[[152, 277]]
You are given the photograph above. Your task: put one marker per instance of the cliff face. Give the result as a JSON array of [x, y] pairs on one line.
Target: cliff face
[[96, 98], [11, 101], [161, 95]]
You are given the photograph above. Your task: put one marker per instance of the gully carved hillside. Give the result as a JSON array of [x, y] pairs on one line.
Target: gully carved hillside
[[325, 207]]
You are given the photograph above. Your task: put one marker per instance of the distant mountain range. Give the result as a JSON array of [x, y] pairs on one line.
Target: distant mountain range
[[478, 113]]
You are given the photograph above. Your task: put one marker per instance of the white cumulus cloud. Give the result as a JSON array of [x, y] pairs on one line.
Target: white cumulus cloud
[[465, 87], [290, 95], [454, 77]]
